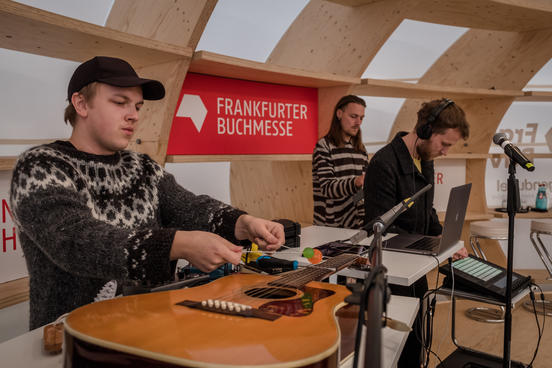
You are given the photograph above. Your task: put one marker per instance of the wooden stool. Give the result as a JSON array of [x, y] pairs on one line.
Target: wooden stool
[[496, 230], [539, 227]]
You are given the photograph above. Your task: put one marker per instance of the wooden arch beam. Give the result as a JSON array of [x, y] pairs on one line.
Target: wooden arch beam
[[483, 59], [505, 15], [487, 60], [500, 15], [177, 22], [328, 38], [334, 38]]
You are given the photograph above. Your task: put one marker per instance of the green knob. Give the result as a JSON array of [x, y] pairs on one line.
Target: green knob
[[308, 253]]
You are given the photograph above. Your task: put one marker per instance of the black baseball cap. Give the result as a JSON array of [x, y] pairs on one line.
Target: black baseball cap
[[115, 72]]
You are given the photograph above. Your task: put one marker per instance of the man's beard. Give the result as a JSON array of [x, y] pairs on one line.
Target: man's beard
[[351, 135], [423, 151]]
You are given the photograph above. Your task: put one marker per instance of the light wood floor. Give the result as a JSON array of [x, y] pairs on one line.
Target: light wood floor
[[488, 337]]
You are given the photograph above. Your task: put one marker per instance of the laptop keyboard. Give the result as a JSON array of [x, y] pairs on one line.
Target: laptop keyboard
[[424, 244]]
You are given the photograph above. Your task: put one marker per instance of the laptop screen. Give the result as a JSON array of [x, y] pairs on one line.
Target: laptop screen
[[455, 215]]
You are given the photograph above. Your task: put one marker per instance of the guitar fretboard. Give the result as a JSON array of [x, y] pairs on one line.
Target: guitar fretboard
[[318, 272]]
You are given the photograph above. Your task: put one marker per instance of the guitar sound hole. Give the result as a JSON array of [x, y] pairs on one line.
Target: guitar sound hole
[[270, 293]]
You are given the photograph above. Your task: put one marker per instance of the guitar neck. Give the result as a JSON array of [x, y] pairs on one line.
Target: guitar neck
[[300, 278]]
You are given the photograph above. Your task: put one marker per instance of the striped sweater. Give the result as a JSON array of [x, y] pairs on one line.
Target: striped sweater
[[333, 174]]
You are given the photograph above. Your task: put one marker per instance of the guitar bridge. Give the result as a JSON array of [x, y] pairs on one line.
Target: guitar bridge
[[230, 308]]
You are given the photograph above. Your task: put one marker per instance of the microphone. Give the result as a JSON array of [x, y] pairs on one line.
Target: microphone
[[513, 152], [361, 235], [388, 217]]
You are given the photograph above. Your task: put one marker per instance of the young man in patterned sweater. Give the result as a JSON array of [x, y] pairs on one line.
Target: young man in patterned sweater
[[338, 163], [90, 212]]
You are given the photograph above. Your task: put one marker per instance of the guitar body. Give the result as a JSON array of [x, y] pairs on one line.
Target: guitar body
[[158, 331]]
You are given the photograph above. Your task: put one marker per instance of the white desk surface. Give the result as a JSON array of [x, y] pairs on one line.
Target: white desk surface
[[402, 268], [404, 309], [26, 350], [400, 308]]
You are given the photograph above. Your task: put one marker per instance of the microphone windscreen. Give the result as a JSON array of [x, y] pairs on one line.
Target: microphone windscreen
[[358, 237], [498, 138]]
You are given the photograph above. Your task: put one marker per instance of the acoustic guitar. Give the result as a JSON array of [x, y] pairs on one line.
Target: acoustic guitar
[[236, 321]]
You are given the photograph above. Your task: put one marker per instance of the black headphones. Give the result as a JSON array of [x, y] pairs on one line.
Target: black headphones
[[425, 130]]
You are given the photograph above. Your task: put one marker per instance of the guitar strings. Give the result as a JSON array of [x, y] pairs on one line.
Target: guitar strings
[[264, 291], [291, 251], [301, 277], [267, 291], [241, 292], [304, 276], [272, 252]]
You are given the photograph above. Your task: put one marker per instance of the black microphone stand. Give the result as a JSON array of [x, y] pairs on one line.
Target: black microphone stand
[[375, 300], [372, 300], [372, 295], [512, 207]]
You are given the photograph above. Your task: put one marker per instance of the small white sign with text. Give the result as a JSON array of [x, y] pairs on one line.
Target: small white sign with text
[[12, 262]]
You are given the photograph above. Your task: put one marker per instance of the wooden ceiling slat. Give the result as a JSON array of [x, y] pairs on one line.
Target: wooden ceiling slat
[[226, 66], [507, 15], [390, 88], [31, 30]]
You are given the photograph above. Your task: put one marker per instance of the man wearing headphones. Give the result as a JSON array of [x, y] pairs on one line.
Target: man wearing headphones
[[403, 167]]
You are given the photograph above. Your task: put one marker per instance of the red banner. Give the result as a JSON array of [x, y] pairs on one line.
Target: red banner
[[222, 116]]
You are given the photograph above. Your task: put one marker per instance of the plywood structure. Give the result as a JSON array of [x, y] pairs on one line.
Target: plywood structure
[[27, 29], [175, 22], [288, 193], [178, 22], [328, 47], [13, 292]]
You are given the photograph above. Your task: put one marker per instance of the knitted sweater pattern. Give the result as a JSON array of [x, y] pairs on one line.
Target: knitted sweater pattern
[[86, 219]]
